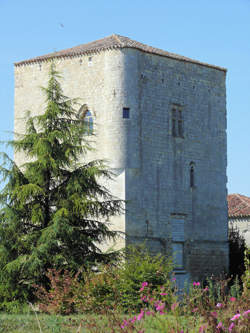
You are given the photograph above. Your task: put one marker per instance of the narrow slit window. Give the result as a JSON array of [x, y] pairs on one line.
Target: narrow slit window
[[177, 122], [174, 122], [125, 113], [191, 175]]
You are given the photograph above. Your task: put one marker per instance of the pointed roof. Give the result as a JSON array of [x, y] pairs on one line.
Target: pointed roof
[[112, 42], [238, 205]]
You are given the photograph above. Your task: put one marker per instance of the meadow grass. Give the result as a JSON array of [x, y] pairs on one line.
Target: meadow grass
[[82, 323]]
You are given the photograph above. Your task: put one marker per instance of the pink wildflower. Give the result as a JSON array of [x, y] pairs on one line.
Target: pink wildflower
[[174, 279], [246, 312], [220, 325], [218, 305], [195, 310], [140, 315], [163, 294], [235, 317], [160, 307], [148, 313], [231, 327], [232, 299], [143, 285], [214, 314], [124, 324], [196, 284], [132, 320], [206, 289]]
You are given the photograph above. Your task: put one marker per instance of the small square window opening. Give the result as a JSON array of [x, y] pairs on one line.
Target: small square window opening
[[125, 113], [90, 61]]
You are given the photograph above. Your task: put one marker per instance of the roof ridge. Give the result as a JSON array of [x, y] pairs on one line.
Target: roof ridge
[[242, 197], [118, 39]]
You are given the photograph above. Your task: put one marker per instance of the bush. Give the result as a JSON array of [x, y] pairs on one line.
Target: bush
[[62, 296], [237, 248], [114, 286], [99, 291], [141, 266]]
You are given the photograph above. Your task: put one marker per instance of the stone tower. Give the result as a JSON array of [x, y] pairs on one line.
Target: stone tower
[[160, 121]]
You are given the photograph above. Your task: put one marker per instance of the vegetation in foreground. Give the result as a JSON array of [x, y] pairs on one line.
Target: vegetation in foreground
[[195, 313], [120, 299]]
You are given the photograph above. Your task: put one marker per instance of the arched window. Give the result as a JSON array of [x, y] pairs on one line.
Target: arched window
[[85, 115], [191, 174]]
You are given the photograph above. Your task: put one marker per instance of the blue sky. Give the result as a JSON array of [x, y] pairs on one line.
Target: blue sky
[[213, 31]]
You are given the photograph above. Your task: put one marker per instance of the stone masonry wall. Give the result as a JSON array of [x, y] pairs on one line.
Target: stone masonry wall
[[158, 165]]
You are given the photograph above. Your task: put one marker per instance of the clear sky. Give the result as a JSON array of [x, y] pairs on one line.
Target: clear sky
[[212, 31]]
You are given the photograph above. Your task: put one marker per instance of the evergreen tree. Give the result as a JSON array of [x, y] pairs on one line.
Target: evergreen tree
[[53, 206]]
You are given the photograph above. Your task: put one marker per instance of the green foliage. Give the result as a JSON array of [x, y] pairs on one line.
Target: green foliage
[[188, 313], [141, 266], [113, 287], [246, 276], [118, 286], [100, 291], [237, 248], [53, 206]]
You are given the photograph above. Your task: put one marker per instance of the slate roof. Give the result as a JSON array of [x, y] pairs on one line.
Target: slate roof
[[238, 205], [112, 42]]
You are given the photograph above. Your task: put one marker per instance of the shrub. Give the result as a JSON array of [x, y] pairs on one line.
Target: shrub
[[114, 286], [99, 290], [237, 248], [139, 266], [61, 298]]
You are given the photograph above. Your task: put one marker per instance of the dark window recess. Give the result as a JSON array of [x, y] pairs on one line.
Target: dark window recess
[[177, 122], [125, 113], [173, 127], [191, 175]]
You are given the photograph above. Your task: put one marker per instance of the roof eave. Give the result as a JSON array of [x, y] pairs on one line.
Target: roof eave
[[77, 54]]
